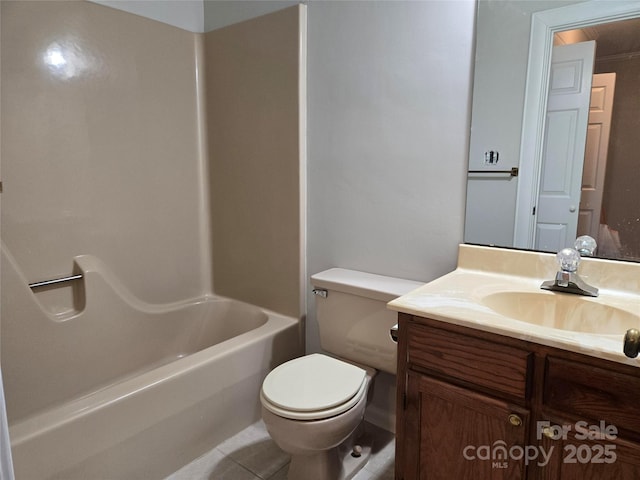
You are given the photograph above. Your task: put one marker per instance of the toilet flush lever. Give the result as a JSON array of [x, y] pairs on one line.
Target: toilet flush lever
[[321, 292], [393, 331]]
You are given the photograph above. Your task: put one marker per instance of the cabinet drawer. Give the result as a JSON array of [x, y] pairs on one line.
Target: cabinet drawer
[[593, 393], [493, 366]]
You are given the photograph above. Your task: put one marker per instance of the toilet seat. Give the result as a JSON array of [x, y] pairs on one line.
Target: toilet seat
[[313, 387]]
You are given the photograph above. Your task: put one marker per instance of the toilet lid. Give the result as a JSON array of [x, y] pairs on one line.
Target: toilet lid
[[311, 383]]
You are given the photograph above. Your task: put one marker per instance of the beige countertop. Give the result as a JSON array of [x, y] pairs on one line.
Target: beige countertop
[[459, 298]]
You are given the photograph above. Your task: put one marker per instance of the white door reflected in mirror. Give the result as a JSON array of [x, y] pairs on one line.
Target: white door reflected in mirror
[[564, 145]]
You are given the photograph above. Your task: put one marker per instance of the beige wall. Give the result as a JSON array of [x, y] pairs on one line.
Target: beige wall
[[106, 154], [100, 155], [255, 170]]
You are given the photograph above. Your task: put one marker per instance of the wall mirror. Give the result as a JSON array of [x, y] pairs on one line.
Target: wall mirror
[[516, 123]]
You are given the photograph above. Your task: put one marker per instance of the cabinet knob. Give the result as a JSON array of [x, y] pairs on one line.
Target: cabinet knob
[[515, 420], [549, 433], [632, 343]]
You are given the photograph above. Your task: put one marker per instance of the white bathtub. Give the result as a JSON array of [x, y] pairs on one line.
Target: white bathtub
[[127, 390]]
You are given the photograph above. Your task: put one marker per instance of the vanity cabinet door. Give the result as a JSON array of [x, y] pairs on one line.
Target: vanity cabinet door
[[593, 393], [455, 433], [582, 458]]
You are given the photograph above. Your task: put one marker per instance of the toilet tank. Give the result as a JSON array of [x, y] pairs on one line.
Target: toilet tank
[[353, 318]]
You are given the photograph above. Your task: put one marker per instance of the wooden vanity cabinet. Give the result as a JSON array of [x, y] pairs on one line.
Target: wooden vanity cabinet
[[470, 402], [441, 420], [585, 459]]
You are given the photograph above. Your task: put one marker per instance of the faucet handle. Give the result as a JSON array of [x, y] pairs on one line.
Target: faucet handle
[[585, 245], [568, 259]]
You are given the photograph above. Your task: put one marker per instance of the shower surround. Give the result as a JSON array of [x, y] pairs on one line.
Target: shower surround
[[143, 157]]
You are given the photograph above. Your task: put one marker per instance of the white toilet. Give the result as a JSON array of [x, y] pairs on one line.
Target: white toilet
[[312, 406]]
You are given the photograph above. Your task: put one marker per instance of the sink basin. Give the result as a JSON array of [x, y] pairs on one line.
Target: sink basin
[[497, 290], [562, 311]]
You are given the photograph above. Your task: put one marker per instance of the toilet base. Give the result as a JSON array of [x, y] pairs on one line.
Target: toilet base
[[335, 464]]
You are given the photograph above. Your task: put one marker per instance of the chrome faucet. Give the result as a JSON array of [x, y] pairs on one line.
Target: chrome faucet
[[567, 279]]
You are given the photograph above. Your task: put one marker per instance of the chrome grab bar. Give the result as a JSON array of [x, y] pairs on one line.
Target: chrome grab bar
[[55, 280]]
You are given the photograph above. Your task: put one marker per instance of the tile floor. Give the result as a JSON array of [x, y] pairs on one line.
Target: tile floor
[[252, 455]]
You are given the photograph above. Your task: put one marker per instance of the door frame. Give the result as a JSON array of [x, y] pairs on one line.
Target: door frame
[[543, 26]]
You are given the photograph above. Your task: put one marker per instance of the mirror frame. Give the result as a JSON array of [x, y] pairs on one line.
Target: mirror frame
[[543, 26]]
